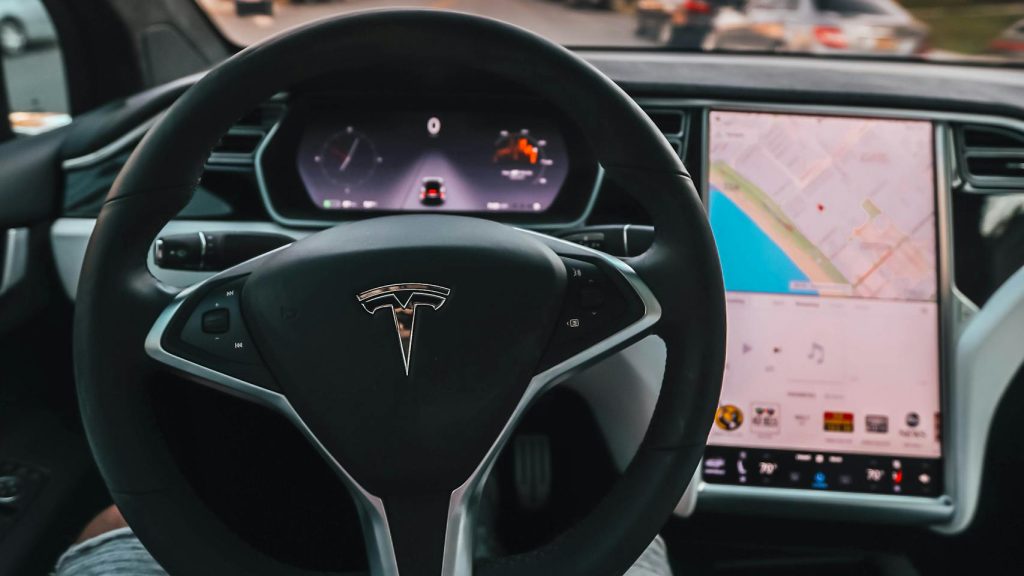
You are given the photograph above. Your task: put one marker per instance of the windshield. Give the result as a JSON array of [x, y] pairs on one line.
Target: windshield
[[948, 30]]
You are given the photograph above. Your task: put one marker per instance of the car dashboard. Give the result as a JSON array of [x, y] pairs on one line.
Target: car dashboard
[[852, 347]]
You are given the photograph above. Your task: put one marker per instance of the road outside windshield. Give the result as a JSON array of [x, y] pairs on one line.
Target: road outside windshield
[[958, 30]]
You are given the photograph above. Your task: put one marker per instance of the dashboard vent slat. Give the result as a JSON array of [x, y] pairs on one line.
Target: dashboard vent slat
[[1006, 166], [674, 124], [670, 122], [991, 158], [991, 137], [235, 143], [238, 147]]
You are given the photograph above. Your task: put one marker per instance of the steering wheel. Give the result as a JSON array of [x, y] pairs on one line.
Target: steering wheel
[[488, 318]]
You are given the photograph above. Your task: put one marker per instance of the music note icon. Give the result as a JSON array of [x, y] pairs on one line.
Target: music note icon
[[817, 353]]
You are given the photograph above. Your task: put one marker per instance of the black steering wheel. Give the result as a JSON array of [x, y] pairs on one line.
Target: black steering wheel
[[487, 318]]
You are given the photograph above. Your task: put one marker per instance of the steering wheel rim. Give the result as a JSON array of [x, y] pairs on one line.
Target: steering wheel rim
[[119, 300]]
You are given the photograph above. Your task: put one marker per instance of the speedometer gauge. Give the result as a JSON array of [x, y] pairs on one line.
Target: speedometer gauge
[[520, 157], [348, 159]]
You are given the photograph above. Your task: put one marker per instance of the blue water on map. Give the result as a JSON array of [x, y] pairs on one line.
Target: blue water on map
[[751, 261]]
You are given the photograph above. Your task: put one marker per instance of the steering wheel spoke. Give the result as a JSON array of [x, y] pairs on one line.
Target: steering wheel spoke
[[203, 335], [607, 307]]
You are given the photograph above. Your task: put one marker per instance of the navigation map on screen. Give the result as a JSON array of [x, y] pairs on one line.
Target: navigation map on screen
[[829, 206]]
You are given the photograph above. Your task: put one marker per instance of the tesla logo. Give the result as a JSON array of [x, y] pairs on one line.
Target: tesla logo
[[403, 300]]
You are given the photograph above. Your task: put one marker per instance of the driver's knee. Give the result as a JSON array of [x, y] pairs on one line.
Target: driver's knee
[[653, 562], [106, 521], [107, 547]]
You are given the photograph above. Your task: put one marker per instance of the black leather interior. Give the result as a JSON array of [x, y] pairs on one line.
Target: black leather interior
[[32, 179]]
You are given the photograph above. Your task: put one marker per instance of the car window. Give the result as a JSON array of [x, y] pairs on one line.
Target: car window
[[969, 31], [33, 67], [852, 7]]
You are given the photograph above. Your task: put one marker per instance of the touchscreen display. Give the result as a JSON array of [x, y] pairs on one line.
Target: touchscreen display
[[432, 160], [827, 233]]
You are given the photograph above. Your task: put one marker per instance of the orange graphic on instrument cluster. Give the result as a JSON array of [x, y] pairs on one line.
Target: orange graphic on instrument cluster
[[518, 149]]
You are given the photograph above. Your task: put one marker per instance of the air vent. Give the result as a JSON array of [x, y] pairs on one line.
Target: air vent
[[239, 145], [991, 137], [670, 122], [991, 158], [997, 167]]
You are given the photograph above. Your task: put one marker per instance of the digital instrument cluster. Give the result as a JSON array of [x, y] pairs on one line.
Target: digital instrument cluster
[[451, 160]]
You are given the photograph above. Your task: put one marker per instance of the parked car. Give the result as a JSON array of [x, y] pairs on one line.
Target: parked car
[[254, 7], [589, 3], [653, 18], [822, 26], [22, 25], [684, 24], [1011, 42]]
